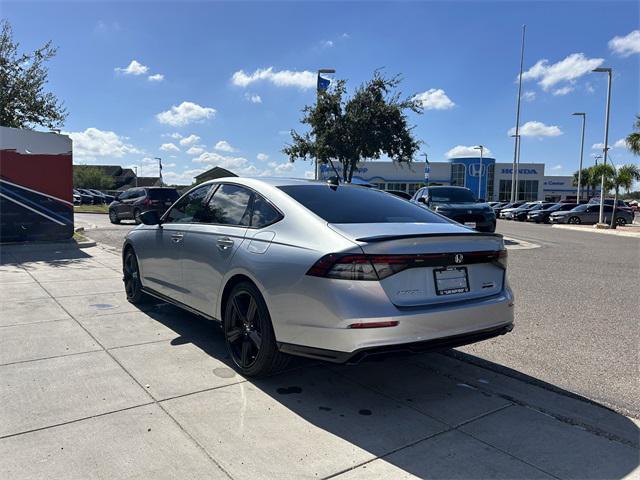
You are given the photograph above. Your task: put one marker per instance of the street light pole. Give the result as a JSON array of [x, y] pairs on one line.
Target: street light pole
[[516, 148], [481, 148], [135, 168], [579, 191], [606, 139], [321, 86], [517, 170]]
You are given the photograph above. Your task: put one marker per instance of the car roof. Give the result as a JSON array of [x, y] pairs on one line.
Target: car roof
[[271, 181]]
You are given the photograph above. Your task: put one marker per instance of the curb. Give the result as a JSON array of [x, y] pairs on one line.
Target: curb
[[617, 231]]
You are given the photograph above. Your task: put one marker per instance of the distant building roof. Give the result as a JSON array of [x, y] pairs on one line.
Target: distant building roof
[[213, 173]]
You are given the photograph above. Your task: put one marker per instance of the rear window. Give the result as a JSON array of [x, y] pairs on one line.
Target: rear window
[[350, 204], [451, 195], [163, 194]]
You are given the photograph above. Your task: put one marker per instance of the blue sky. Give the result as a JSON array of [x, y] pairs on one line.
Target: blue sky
[[221, 83]]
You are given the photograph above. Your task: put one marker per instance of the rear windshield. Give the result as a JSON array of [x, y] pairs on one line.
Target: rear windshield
[[163, 194], [350, 204], [451, 195]]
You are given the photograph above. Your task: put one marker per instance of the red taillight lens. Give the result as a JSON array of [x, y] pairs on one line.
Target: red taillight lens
[[346, 267], [391, 323], [502, 259]]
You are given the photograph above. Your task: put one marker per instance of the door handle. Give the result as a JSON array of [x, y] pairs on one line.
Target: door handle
[[177, 237], [225, 243]]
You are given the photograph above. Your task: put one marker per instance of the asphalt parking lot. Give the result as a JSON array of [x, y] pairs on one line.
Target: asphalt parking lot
[[94, 387], [576, 310]]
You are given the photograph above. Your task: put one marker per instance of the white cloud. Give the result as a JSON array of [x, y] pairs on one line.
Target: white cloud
[[555, 168], [537, 129], [190, 140], [253, 98], [187, 177], [134, 68], [238, 165], [94, 143], [169, 147], [184, 114], [463, 151], [196, 150], [283, 78], [309, 174], [563, 91], [281, 168], [263, 157], [175, 135], [434, 99], [158, 77], [627, 45], [567, 70], [622, 143], [224, 146], [328, 43], [529, 96]]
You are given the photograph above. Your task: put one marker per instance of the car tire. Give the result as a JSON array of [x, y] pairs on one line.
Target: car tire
[[136, 216], [574, 221], [113, 217], [248, 333], [131, 278], [620, 221]]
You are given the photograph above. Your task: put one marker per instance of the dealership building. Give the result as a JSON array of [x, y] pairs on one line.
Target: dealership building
[[485, 177]]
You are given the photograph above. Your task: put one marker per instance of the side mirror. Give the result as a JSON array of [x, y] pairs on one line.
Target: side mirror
[[422, 200], [150, 217]]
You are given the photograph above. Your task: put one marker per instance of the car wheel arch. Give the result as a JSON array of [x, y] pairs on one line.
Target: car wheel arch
[[232, 280]]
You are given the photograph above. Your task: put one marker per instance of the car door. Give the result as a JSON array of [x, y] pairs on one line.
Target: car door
[[591, 214], [211, 242], [161, 247]]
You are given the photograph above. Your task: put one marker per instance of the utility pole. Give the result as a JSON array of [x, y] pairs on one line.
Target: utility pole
[[159, 168], [579, 191], [606, 138], [135, 168], [516, 147]]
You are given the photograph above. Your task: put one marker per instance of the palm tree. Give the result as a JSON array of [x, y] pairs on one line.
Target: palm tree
[[585, 179], [623, 177], [633, 139], [595, 177]]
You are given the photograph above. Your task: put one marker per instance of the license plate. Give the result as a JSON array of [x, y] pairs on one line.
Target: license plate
[[451, 280], [470, 224]]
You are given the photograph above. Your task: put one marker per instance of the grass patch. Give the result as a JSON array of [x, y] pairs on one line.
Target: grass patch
[[91, 208]]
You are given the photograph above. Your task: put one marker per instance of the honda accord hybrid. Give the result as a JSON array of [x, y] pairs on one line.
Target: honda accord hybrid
[[331, 272]]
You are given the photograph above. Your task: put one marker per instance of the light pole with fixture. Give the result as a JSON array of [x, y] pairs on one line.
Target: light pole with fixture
[[321, 85], [579, 191], [606, 138], [516, 148], [135, 169], [481, 148]]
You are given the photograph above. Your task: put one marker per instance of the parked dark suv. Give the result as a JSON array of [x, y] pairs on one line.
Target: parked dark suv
[[130, 204], [459, 204]]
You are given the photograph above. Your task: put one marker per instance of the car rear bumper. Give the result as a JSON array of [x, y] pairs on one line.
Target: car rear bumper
[[357, 356], [415, 325]]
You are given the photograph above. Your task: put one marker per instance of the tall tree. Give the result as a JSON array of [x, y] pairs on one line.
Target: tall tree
[[584, 179], [622, 177], [372, 123], [90, 176], [23, 76], [633, 139]]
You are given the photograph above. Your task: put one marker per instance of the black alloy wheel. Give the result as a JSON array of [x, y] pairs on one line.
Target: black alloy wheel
[[249, 334], [131, 278], [575, 220], [113, 216], [620, 221]]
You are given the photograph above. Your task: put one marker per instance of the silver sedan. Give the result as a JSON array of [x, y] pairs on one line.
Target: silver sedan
[[292, 267]]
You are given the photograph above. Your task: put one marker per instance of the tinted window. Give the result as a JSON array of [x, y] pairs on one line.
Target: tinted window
[[163, 194], [190, 207], [263, 213], [350, 204], [230, 206], [451, 195], [580, 208]]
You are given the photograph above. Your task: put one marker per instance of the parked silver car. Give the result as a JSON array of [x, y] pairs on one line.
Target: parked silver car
[[323, 271], [589, 213]]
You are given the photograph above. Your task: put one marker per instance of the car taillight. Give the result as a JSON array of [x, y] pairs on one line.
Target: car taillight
[[379, 267]]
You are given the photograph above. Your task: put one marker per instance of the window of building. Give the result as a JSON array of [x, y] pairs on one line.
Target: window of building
[[527, 190], [397, 186], [458, 171], [491, 168], [413, 188]]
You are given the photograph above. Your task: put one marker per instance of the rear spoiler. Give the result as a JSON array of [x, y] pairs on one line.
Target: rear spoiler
[[384, 238]]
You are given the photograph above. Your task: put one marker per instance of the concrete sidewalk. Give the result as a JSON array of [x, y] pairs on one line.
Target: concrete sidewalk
[[632, 230], [93, 387]]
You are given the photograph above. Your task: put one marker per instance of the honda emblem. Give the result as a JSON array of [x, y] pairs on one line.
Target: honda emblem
[[458, 258]]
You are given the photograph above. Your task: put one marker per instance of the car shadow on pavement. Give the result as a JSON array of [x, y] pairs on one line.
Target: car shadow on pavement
[[53, 254], [428, 415]]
